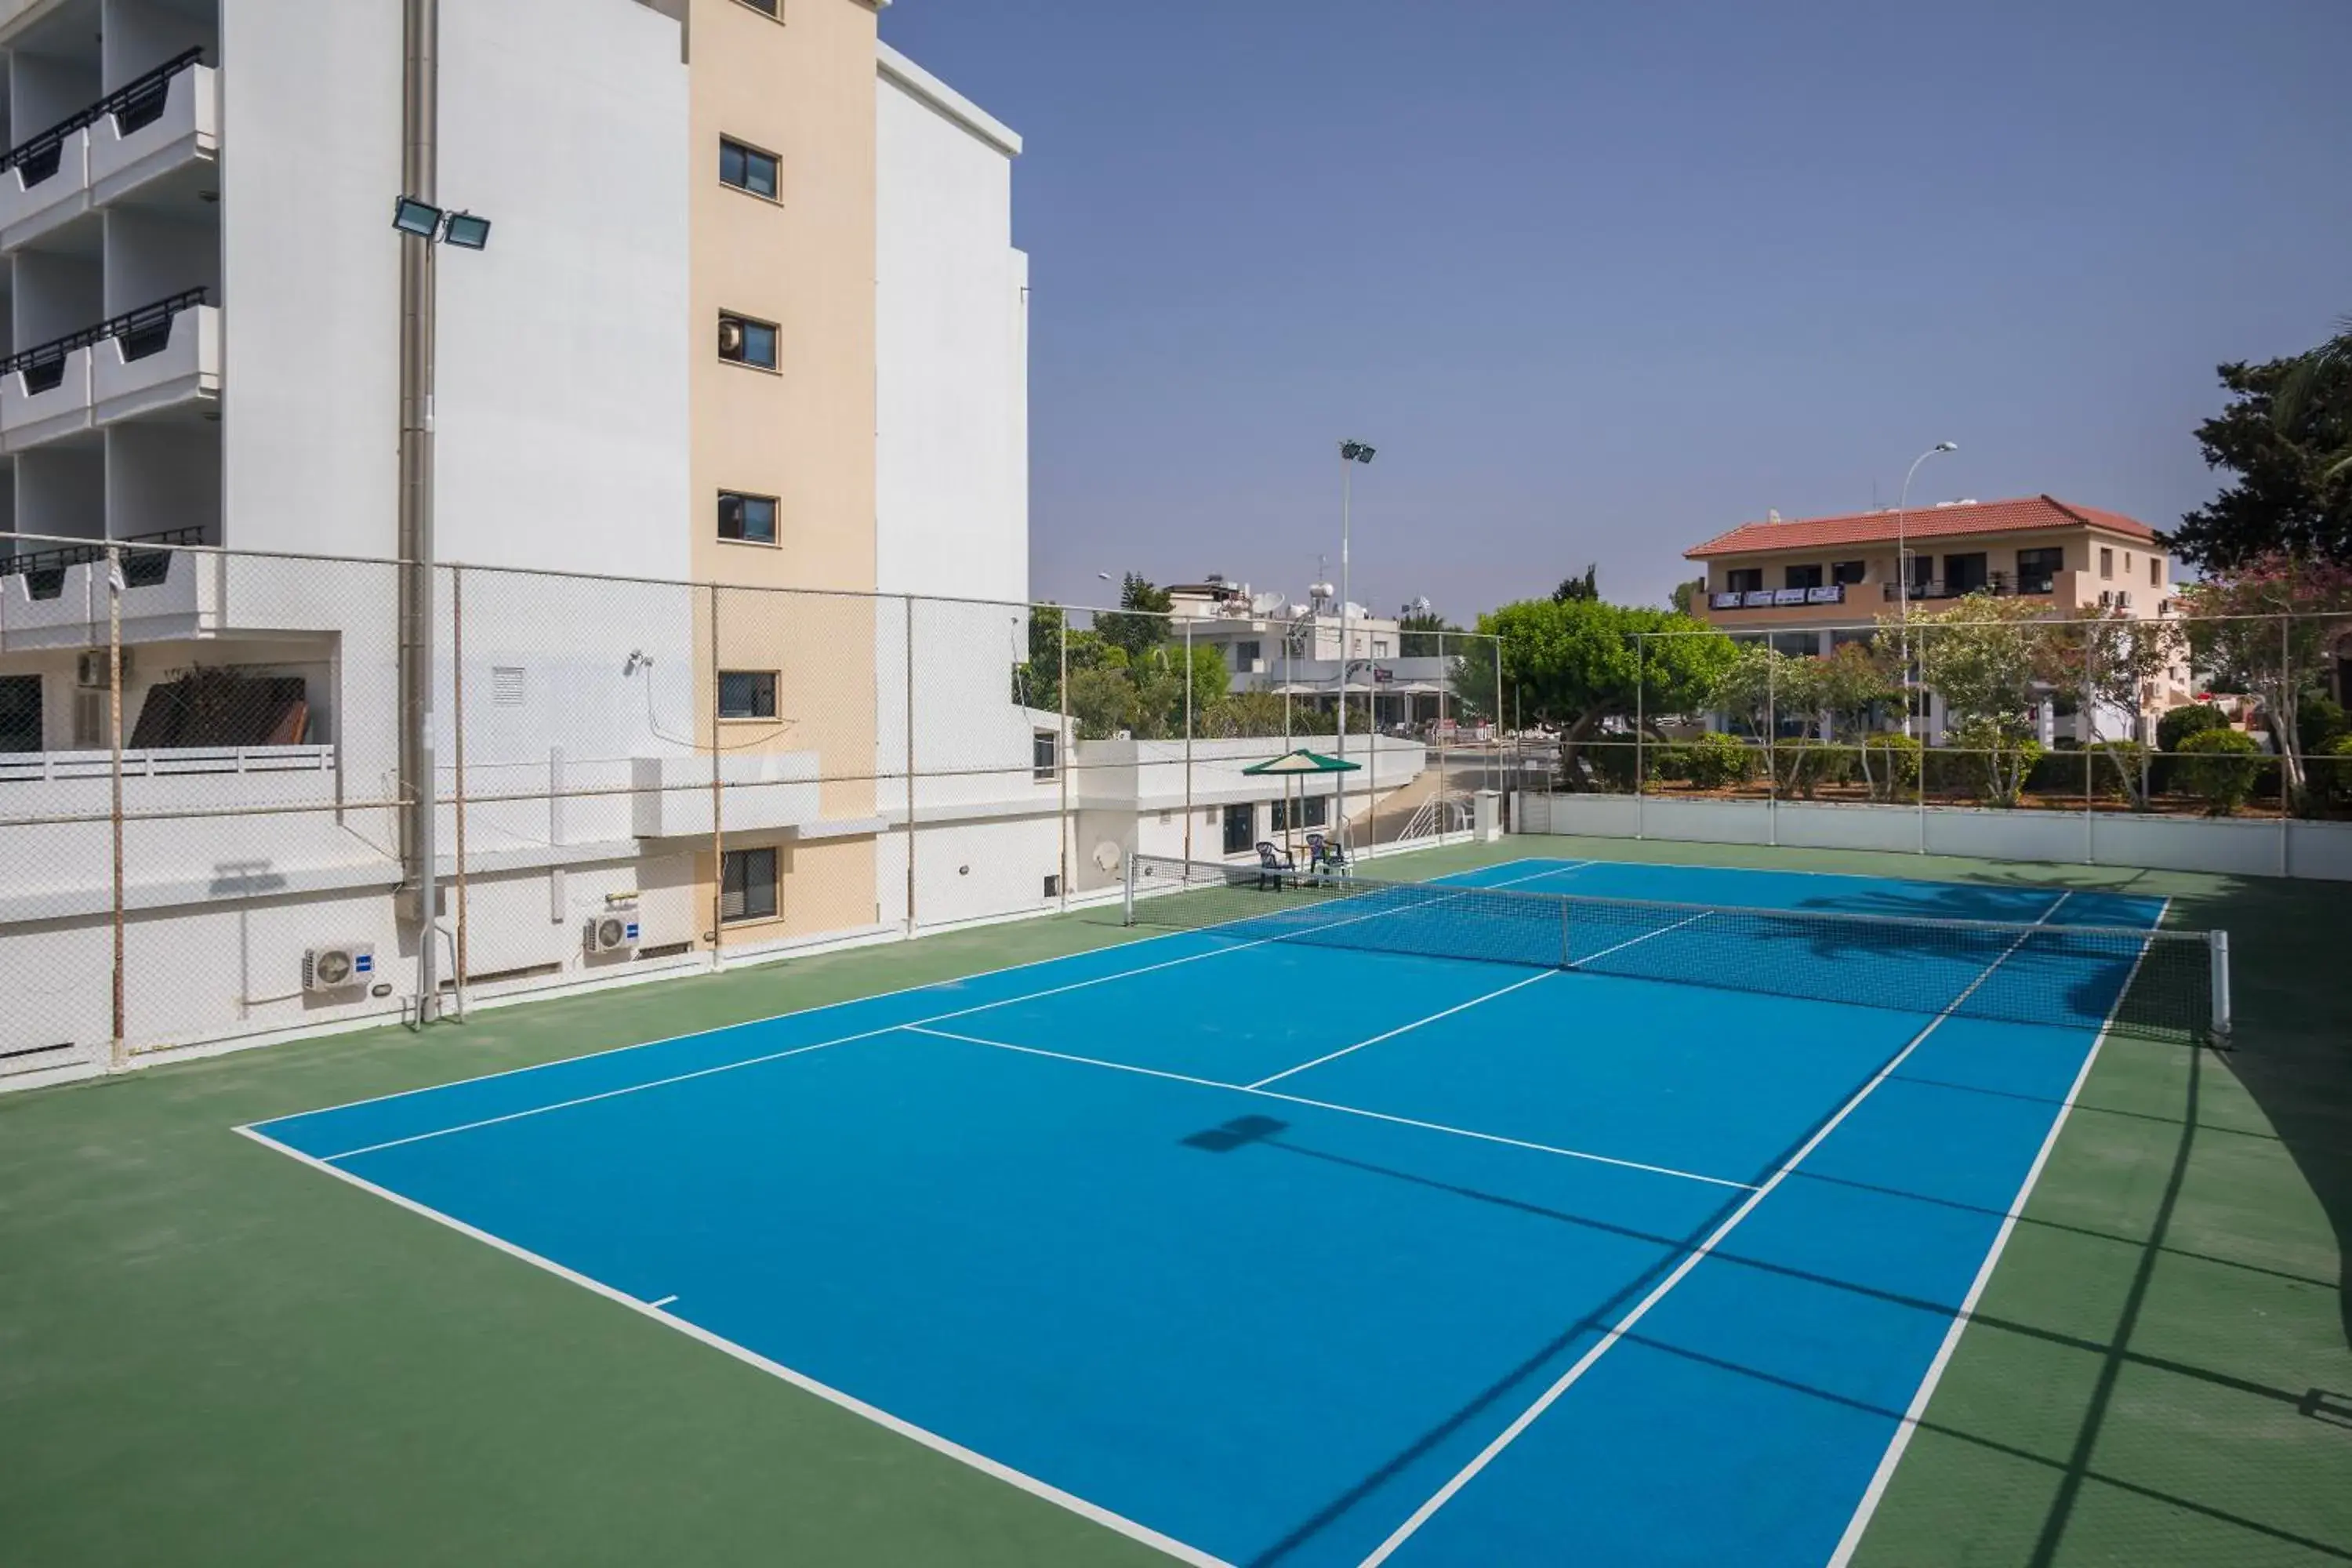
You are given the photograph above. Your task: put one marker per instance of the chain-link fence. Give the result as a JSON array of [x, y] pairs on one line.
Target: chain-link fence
[[2063, 739], [212, 765]]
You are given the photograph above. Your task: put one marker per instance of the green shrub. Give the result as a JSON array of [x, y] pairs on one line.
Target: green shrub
[[2319, 724], [2220, 767], [1989, 760], [1891, 765], [1612, 761], [2331, 775], [1802, 766], [2118, 769], [2191, 719], [1717, 761]]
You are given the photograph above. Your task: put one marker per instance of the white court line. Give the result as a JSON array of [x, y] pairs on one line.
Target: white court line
[[1403, 1029], [822, 1045], [1330, 1105], [1617, 1330], [881, 1417], [1848, 1542], [1645, 936], [665, 1302]]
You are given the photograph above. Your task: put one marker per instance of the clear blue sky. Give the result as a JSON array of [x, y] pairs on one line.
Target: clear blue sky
[[1601, 280]]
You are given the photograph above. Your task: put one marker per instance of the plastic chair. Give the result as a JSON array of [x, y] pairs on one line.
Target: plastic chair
[[1273, 865]]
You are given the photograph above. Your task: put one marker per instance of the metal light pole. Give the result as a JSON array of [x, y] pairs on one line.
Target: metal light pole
[[1902, 576], [1351, 454]]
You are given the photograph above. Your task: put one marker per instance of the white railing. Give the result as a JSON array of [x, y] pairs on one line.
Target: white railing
[[57, 767]]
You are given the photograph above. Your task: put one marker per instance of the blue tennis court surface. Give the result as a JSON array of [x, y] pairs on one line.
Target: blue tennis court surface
[[1278, 1252]]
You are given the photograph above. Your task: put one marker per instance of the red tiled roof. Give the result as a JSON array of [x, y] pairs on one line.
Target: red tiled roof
[[1919, 522]]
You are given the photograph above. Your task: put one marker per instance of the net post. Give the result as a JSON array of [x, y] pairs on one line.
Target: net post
[[1127, 897], [1565, 951], [2218, 943]]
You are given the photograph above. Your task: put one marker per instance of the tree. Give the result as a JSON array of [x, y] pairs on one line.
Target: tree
[[1415, 639], [1038, 681], [1576, 662], [1687, 596], [1145, 623], [1989, 659], [2308, 608], [2111, 664], [2287, 436], [1572, 589]]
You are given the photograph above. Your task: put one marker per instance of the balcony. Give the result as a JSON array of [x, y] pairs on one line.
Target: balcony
[[146, 128], [1998, 583], [163, 356], [144, 359], [1777, 598], [56, 597], [166, 120]]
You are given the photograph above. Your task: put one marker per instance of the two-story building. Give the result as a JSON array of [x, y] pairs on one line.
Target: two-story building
[[1807, 585]]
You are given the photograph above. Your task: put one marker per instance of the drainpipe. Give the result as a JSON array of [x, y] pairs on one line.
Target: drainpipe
[[419, 128]]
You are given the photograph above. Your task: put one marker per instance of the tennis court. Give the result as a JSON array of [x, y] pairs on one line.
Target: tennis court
[[1560, 1207]]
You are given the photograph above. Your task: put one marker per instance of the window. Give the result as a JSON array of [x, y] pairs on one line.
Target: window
[[2037, 570], [1743, 580], [747, 168], [1845, 572], [1053, 885], [1045, 756], [747, 694], [1923, 571], [20, 712], [1802, 577], [742, 341], [1247, 656], [766, 8], [2107, 563], [1379, 648], [1313, 810], [750, 520], [2155, 571], [1241, 828], [747, 884], [1964, 574]]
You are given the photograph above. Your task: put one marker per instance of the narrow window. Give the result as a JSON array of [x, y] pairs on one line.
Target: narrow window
[[2107, 563], [750, 520], [747, 884], [747, 168], [747, 694], [1045, 756], [743, 340]]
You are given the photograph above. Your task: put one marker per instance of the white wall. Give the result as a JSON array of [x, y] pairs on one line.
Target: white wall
[[2233, 847], [952, 344], [310, 273], [563, 378]]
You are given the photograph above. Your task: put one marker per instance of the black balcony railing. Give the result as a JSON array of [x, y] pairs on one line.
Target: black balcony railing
[[145, 331], [44, 571], [135, 104]]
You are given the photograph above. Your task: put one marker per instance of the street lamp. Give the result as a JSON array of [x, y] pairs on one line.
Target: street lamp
[[1351, 454], [1903, 575]]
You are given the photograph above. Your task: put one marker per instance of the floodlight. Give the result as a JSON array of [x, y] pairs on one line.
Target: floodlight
[[467, 232], [420, 219]]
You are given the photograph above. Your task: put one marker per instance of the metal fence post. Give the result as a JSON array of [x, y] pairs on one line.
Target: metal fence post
[[1188, 744], [118, 1048], [1065, 753], [718, 814], [1640, 720], [1771, 744], [1437, 817], [457, 757], [2287, 742], [910, 639]]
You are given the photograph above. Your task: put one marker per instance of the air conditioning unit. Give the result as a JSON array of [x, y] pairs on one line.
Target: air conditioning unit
[[614, 930], [91, 672], [338, 968]]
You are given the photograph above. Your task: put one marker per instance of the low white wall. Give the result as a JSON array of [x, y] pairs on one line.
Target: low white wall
[[2228, 847]]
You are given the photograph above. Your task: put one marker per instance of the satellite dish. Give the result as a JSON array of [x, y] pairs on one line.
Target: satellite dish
[[1107, 856]]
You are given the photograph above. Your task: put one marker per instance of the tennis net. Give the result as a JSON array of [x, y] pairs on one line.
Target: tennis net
[[2164, 982]]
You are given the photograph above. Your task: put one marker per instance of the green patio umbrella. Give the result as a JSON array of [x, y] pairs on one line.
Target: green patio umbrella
[[1291, 765]]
